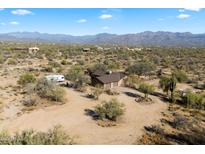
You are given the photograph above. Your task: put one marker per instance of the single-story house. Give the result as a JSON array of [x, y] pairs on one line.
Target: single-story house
[[86, 49], [107, 79], [33, 50]]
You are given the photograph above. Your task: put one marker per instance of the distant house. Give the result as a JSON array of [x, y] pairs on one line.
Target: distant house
[[86, 49], [107, 79], [33, 50]]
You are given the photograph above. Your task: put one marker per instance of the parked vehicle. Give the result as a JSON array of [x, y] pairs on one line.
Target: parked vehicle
[[57, 78]]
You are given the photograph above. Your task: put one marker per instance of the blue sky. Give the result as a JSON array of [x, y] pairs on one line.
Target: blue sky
[[93, 21]]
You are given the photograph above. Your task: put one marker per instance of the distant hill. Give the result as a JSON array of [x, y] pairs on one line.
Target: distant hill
[[147, 38]]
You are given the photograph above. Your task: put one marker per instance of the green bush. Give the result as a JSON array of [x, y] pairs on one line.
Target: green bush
[[194, 100], [141, 68], [55, 136], [48, 89], [26, 78], [96, 92], [54, 64], [11, 61], [1, 59], [76, 75], [146, 89], [180, 75], [99, 66], [110, 110], [131, 81]]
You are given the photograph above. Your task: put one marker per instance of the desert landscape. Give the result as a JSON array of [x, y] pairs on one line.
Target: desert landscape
[[111, 94]]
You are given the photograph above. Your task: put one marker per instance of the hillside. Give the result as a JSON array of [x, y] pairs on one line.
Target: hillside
[[147, 38]]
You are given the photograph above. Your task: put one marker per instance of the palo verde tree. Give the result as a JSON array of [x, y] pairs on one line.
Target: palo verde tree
[[168, 84], [146, 89]]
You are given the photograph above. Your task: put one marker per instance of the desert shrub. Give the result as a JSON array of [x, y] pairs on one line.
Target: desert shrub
[[131, 81], [26, 78], [194, 100], [64, 62], [55, 136], [180, 76], [77, 76], [54, 64], [48, 69], [99, 66], [146, 89], [48, 89], [179, 121], [95, 93], [11, 61], [141, 68], [1, 59], [81, 62], [154, 129], [110, 64], [112, 92], [30, 101], [110, 110]]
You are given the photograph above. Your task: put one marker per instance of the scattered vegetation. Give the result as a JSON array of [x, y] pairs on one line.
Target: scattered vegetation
[[180, 75], [55, 136], [168, 84], [141, 68], [48, 89], [26, 78], [110, 110], [146, 89]]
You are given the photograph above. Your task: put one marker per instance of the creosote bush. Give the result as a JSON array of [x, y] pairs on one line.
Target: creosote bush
[[110, 110], [26, 78], [55, 136], [48, 89], [194, 100], [141, 68], [146, 89], [180, 75]]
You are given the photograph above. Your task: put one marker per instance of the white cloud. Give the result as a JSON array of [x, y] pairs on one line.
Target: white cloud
[[183, 16], [193, 9], [21, 12], [14, 23], [160, 19], [105, 27], [82, 20], [3, 23], [105, 16], [181, 10]]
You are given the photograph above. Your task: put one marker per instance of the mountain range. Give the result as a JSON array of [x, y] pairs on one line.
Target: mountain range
[[147, 38]]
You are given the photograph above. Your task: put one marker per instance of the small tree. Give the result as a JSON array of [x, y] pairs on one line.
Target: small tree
[[77, 76], [48, 89], [99, 66], [168, 84], [110, 110], [180, 75], [146, 89], [194, 100], [142, 68], [96, 92], [26, 78]]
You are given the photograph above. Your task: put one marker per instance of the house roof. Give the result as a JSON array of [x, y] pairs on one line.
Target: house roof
[[113, 77]]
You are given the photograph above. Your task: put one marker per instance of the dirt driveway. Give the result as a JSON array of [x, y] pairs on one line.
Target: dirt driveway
[[82, 127]]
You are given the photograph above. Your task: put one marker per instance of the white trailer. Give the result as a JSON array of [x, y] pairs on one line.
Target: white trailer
[[56, 78]]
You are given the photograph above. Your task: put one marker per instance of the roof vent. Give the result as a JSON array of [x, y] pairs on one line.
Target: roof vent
[[109, 72]]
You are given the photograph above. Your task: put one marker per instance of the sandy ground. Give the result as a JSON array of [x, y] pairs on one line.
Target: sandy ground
[[82, 127]]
